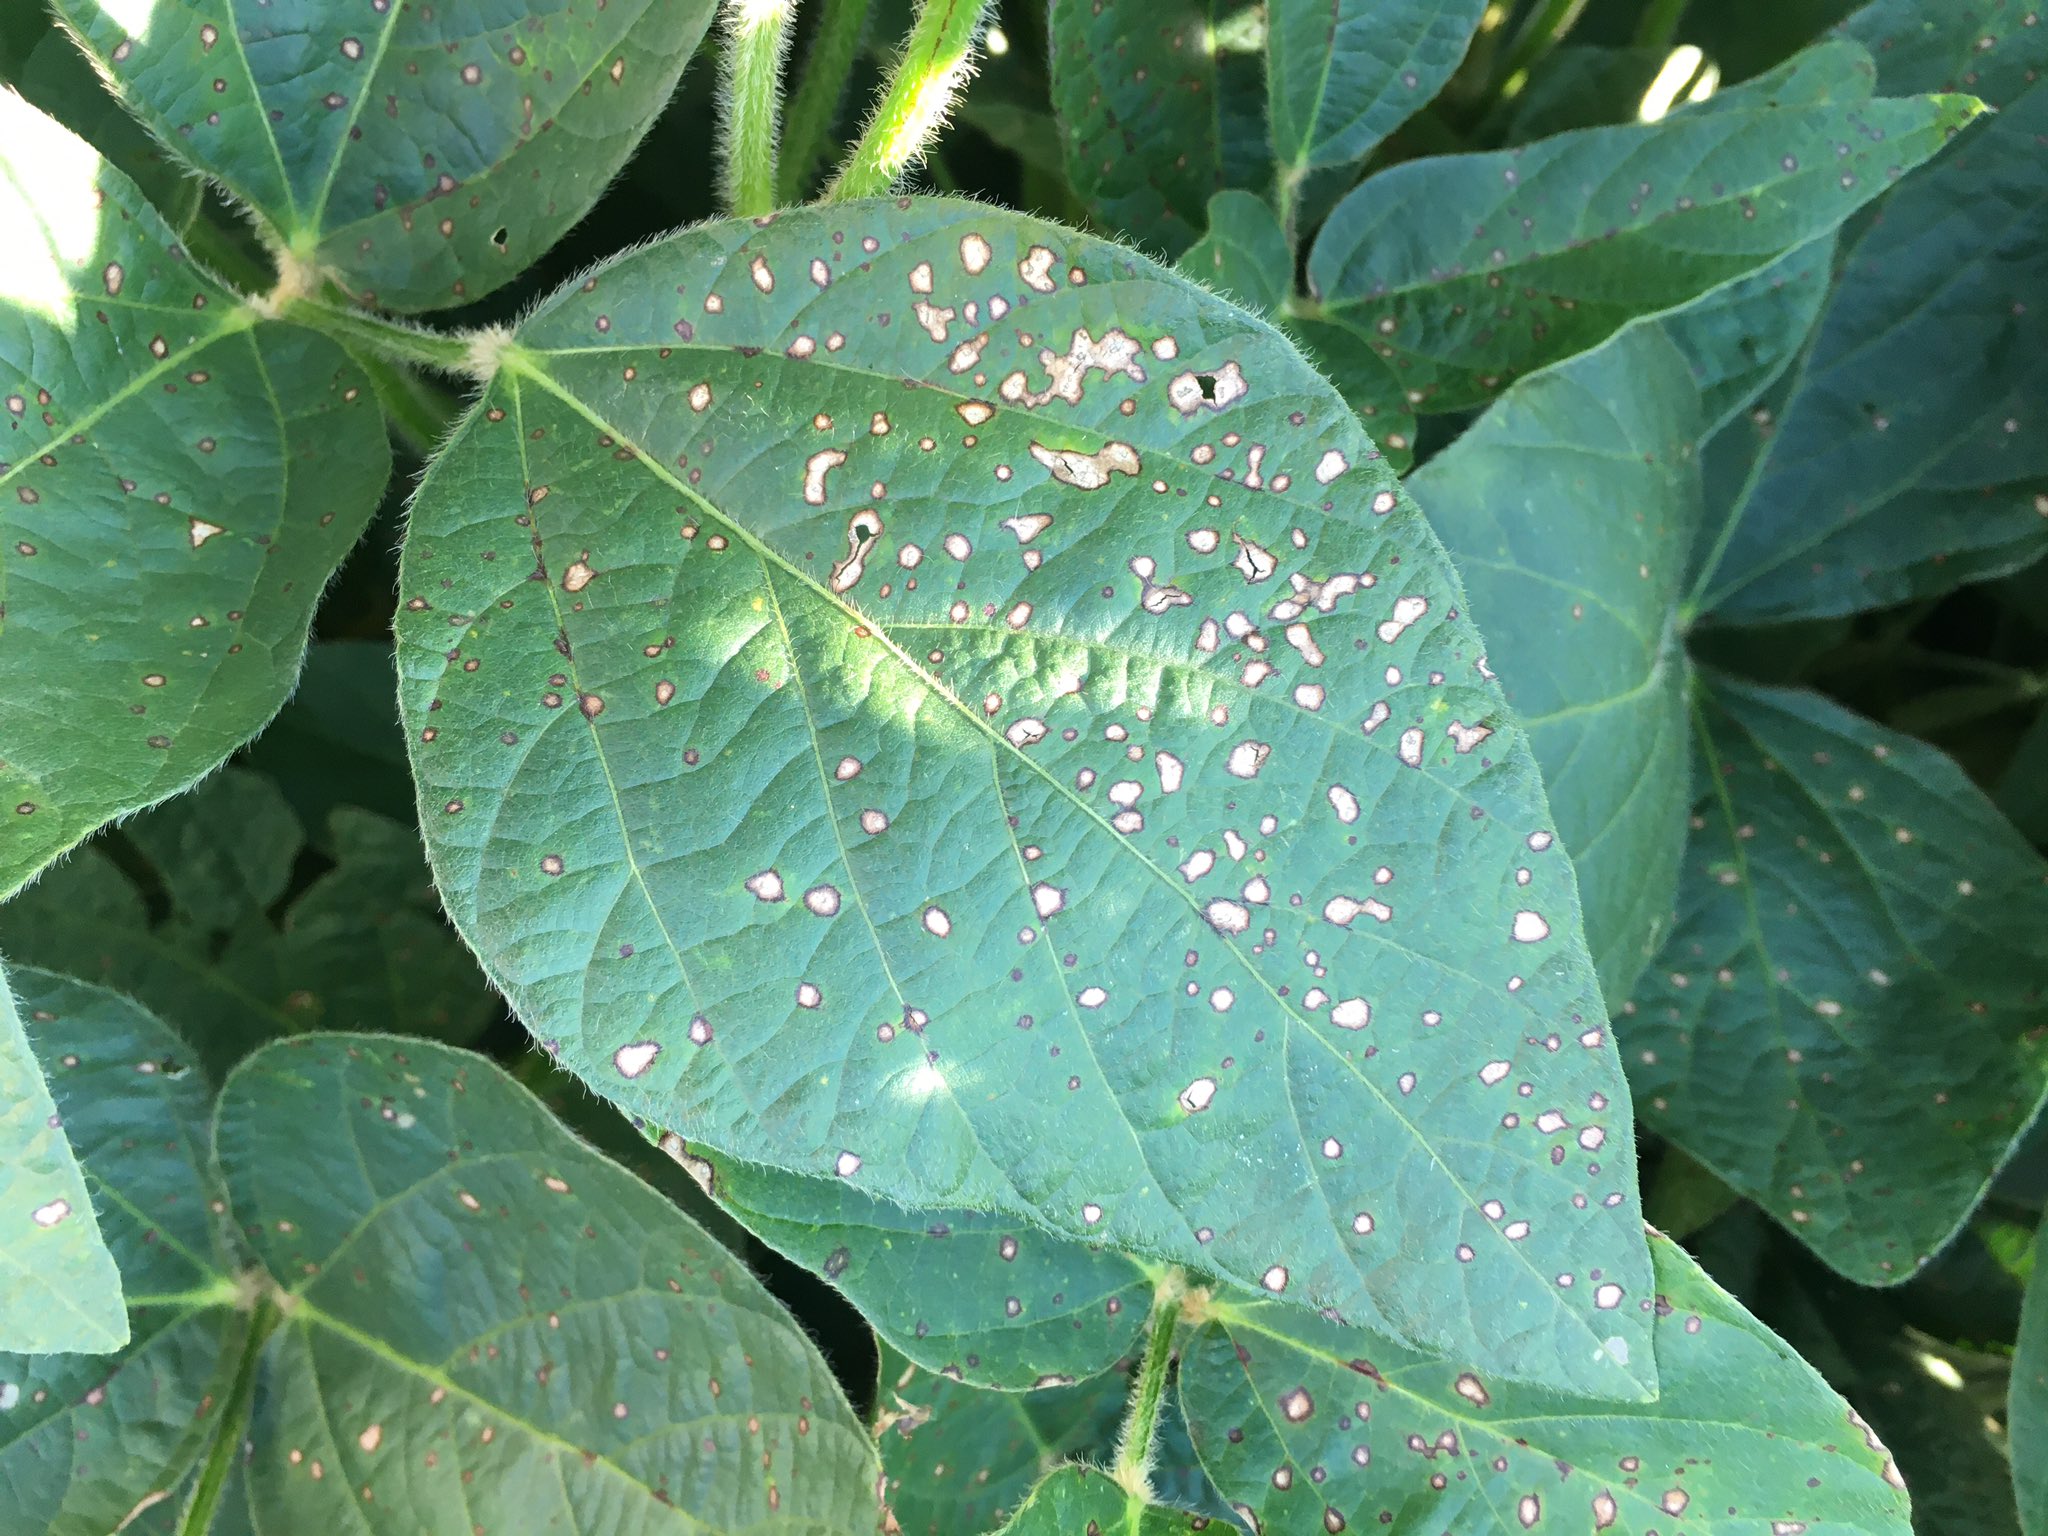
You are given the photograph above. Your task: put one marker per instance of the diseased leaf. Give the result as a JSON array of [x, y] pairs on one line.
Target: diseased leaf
[[2027, 1418], [1146, 104], [1343, 74], [1569, 507], [178, 481], [1311, 1426], [960, 1459], [87, 1440], [1740, 338], [1865, 486], [363, 944], [1844, 1024], [988, 1302], [1092, 822], [1463, 273], [1086, 1501], [59, 1290], [1244, 255], [418, 155]]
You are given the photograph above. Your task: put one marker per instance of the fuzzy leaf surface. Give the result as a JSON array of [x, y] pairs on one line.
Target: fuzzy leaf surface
[[879, 810]]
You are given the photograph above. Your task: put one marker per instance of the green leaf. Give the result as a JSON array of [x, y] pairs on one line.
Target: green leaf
[[59, 1290], [338, 741], [1844, 1024], [1987, 47], [1463, 273], [1341, 77], [1870, 488], [1309, 1425], [1142, 95], [233, 955], [1740, 338], [959, 1459], [985, 1301], [87, 1440], [930, 820], [1244, 255], [179, 482], [2027, 1419], [1086, 1501], [419, 156], [1569, 507]]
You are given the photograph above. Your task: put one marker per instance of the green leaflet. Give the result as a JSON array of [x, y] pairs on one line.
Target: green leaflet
[[2027, 1418], [1244, 256], [1310, 1426], [1090, 822], [179, 481], [1085, 1501], [988, 1302], [960, 1459], [464, 1315], [362, 945], [338, 742], [59, 1290], [1129, 75], [1341, 77], [1463, 273], [1570, 507], [420, 156], [1853, 913]]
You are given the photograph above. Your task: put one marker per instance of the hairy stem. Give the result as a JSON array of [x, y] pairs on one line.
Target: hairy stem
[[814, 107], [935, 64], [234, 1423], [1134, 1445], [359, 330], [1542, 33], [756, 37]]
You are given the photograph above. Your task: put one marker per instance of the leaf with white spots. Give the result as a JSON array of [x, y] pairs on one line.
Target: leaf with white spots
[[177, 482], [1844, 1022], [418, 155], [86, 1439], [1149, 111], [1087, 1501], [1315, 1427], [959, 1459], [1907, 452], [989, 1302], [2027, 1417], [224, 957], [1457, 275], [1341, 77], [1244, 256], [1141, 760], [1570, 507], [59, 1289]]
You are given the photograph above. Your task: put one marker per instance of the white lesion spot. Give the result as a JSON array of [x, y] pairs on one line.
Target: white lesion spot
[[700, 397], [763, 274], [1197, 864], [1410, 747], [1226, 917], [1466, 737], [1091, 997], [820, 273], [1406, 611], [1330, 466], [934, 318], [1253, 561], [1529, 1510], [700, 1030], [816, 467], [1275, 1280], [823, 900], [200, 530], [1087, 471], [808, 995], [1473, 1390], [1027, 732], [1344, 803], [1530, 928], [847, 1164], [849, 768], [766, 886], [1247, 758], [632, 1060], [1036, 269], [974, 412], [1066, 377], [50, 1214], [1494, 1072], [974, 254], [1187, 392], [1351, 1013], [1172, 771], [1047, 900], [921, 277], [1607, 1297], [862, 529], [1028, 526], [937, 922], [1198, 1095]]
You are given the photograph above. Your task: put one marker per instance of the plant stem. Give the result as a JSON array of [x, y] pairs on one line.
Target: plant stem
[[386, 338], [1542, 34], [1659, 24], [936, 62], [756, 37], [1134, 1445], [814, 107], [234, 1421]]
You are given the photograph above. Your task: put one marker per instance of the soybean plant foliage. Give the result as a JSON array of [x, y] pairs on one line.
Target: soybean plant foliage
[[1296, 786]]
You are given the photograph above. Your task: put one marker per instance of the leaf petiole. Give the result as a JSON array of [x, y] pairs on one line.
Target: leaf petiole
[[756, 38], [1141, 1422], [936, 62]]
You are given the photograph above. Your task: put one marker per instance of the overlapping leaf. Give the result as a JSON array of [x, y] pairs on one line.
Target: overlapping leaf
[[2027, 1419], [1244, 255], [1085, 1501], [1341, 77], [1460, 274], [1310, 1426], [59, 1289], [1108, 819], [419, 155], [1845, 1022], [226, 959], [178, 480], [338, 741]]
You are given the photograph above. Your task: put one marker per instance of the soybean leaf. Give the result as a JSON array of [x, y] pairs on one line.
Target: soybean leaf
[[1310, 1425], [1107, 759], [2028, 1412], [1244, 255], [59, 1289], [338, 741], [1086, 1501], [1870, 487], [1569, 507], [1740, 338], [1146, 104], [987, 1302], [1341, 77], [178, 481], [91, 1442], [489, 1323], [1461, 274], [1853, 912], [420, 156], [958, 1459], [227, 958]]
